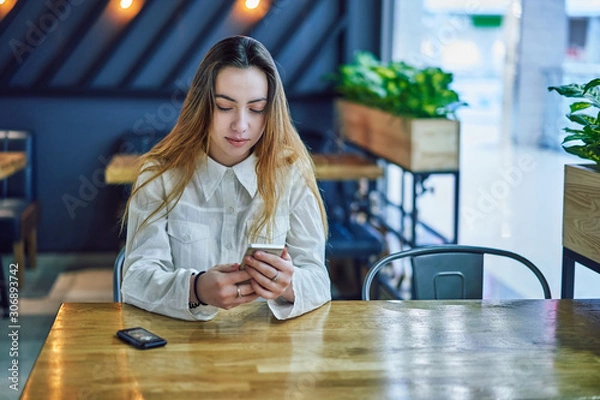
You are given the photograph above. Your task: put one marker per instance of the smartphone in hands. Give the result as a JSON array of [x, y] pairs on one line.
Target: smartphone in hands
[[140, 338], [275, 249]]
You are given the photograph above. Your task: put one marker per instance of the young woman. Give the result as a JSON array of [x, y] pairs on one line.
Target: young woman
[[233, 171]]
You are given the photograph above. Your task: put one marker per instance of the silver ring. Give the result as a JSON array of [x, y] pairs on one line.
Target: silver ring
[[239, 291], [274, 279]]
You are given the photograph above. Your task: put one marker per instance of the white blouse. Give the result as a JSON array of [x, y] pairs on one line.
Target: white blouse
[[209, 226]]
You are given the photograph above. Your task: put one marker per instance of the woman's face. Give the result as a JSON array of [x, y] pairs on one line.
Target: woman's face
[[239, 117]]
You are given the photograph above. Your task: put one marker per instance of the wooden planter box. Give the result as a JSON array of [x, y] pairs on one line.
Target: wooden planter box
[[418, 145], [581, 210]]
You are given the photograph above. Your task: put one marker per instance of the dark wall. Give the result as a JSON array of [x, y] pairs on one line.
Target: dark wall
[[80, 94]]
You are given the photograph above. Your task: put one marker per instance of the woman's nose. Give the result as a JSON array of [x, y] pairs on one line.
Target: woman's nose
[[240, 123]]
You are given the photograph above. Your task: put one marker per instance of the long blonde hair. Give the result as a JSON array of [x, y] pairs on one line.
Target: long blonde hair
[[188, 141]]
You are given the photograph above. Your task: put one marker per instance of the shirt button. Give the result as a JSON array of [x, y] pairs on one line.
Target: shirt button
[[228, 246], [187, 236], [230, 210]]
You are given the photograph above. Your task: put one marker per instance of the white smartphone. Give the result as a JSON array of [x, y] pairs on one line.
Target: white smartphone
[[276, 249]]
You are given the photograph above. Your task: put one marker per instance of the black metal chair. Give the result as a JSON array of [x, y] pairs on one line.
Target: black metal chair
[[118, 275], [448, 271], [19, 210]]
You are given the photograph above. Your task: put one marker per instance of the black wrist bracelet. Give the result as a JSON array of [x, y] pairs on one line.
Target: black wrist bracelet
[[196, 288], [192, 305]]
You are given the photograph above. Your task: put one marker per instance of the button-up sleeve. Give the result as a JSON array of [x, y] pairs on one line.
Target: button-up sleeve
[[306, 245], [150, 279]]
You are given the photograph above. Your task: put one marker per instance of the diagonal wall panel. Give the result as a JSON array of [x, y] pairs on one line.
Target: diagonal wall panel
[[284, 37], [8, 18], [159, 36], [63, 54], [110, 48], [24, 38], [217, 18], [331, 34]]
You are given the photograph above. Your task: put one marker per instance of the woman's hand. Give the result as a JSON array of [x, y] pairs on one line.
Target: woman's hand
[[271, 275], [225, 286]]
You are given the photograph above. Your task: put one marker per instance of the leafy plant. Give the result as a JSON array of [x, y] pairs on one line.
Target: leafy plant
[[397, 87], [589, 133]]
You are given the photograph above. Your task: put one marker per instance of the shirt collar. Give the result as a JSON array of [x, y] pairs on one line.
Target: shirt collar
[[245, 172]]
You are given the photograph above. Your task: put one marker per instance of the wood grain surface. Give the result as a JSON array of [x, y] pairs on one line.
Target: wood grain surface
[[344, 350], [581, 210], [11, 162], [415, 144], [122, 169]]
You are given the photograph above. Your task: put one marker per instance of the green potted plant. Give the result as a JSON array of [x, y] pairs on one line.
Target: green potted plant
[[588, 134], [401, 113], [581, 207]]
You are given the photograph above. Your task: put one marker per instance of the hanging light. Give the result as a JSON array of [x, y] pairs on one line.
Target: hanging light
[[250, 11], [6, 6], [122, 11], [252, 4], [125, 4]]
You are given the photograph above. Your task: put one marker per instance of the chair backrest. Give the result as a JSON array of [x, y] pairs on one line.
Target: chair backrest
[[19, 185], [118, 275], [447, 276], [449, 271]]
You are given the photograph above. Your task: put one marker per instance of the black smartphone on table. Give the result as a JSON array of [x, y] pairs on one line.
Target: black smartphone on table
[[140, 338]]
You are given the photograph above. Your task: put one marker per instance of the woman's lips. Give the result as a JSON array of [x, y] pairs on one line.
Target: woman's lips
[[237, 142]]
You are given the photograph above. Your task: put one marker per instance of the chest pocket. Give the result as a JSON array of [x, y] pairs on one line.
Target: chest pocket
[[188, 241], [279, 231], [187, 232]]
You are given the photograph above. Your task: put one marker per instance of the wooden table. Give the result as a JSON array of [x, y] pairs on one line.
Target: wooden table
[[122, 168], [11, 162], [346, 349]]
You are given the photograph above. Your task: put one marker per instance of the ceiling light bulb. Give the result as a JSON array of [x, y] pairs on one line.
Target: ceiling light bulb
[[126, 3], [252, 4]]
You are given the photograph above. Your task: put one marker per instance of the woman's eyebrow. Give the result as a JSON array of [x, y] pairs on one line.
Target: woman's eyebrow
[[235, 101]]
